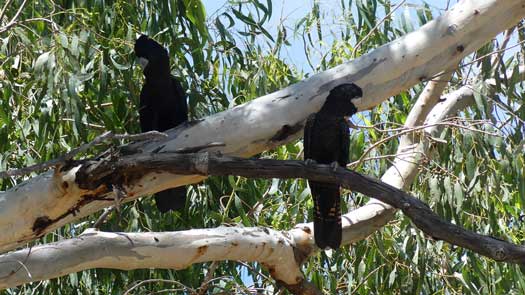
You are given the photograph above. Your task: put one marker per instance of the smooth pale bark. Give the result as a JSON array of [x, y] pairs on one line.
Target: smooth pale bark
[[282, 252], [375, 214], [51, 200], [172, 250], [365, 220]]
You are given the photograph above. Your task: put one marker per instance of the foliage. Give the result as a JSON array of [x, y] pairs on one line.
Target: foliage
[[67, 74]]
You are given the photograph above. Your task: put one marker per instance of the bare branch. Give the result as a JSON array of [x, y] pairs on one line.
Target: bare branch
[[277, 251], [415, 209], [55, 199], [103, 217], [375, 214], [83, 148], [207, 279], [374, 29], [15, 17], [4, 9], [412, 130], [281, 253], [144, 282], [480, 58]]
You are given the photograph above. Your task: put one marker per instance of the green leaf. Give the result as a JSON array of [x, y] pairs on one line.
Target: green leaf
[[480, 102], [74, 46], [41, 61], [361, 268], [459, 197], [392, 277], [435, 192], [116, 64], [62, 39], [275, 186], [197, 15], [471, 166]]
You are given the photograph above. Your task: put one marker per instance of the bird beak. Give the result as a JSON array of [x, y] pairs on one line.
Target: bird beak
[[143, 63]]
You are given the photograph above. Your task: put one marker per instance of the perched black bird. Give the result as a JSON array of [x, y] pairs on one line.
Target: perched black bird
[[326, 141], [162, 106]]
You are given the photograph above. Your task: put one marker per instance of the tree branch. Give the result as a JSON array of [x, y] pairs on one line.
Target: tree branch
[[172, 250], [281, 253], [363, 221], [55, 200], [81, 149], [416, 210], [375, 214]]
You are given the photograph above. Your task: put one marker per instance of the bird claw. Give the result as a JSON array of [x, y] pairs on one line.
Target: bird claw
[[334, 165], [310, 162]]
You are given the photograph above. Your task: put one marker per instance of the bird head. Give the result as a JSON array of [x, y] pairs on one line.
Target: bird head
[[339, 101], [151, 55]]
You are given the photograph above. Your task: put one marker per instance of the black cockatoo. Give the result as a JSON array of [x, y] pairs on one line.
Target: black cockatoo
[[162, 106], [326, 141]]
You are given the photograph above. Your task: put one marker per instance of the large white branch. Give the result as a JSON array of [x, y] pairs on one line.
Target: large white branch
[[280, 252], [362, 222], [365, 220], [50, 200], [171, 250]]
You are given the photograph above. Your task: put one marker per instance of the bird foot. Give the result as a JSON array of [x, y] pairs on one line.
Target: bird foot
[[310, 162], [334, 165]]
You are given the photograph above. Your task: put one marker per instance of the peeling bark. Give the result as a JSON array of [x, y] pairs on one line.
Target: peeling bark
[[383, 72], [280, 252], [173, 250]]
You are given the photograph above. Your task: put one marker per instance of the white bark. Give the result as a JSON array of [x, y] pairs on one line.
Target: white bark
[[362, 222], [272, 119], [173, 250], [280, 252], [375, 214]]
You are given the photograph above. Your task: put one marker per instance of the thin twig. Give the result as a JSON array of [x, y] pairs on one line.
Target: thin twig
[[415, 129], [4, 9], [103, 217], [388, 156], [83, 123], [477, 59], [404, 128], [186, 288], [254, 271], [83, 148], [21, 22], [120, 194], [506, 39], [375, 28], [207, 279], [13, 20], [19, 11], [365, 279], [22, 265]]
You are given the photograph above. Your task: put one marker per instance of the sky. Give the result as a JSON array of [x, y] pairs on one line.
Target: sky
[[291, 11]]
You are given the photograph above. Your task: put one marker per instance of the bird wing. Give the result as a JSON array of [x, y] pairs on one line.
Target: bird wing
[[308, 127], [344, 146], [180, 100], [147, 115]]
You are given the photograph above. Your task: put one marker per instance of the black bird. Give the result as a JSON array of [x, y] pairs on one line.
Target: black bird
[[162, 106], [326, 141]]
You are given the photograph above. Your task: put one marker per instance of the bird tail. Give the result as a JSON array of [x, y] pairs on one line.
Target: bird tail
[[171, 199], [327, 214]]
